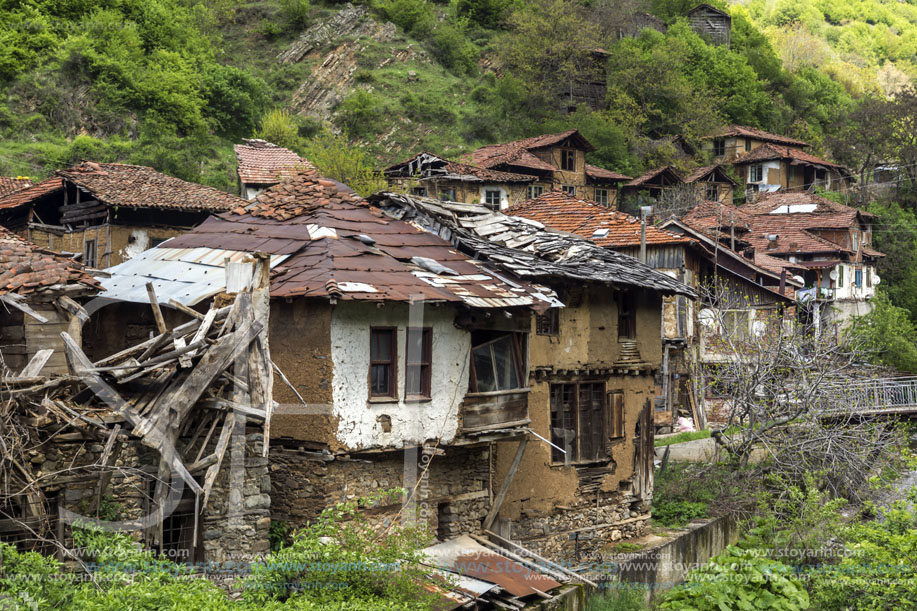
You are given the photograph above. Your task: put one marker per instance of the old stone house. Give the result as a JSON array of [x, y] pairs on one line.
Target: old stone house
[[692, 260], [768, 162], [711, 183], [827, 245], [711, 23], [651, 187], [591, 374], [556, 161], [105, 213], [428, 175], [262, 164]]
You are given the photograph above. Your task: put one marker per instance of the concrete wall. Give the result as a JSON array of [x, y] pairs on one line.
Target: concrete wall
[[395, 423]]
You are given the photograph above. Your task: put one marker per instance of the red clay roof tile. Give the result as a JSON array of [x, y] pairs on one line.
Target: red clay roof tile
[[25, 267], [264, 163], [24, 196], [743, 131], [767, 152], [8, 184]]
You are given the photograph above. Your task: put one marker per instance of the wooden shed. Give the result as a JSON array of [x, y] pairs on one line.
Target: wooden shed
[[711, 23]]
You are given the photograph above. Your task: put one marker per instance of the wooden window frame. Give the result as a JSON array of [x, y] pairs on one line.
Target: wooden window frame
[[568, 189], [532, 191], [499, 201], [603, 199], [627, 316], [615, 416], [757, 168], [858, 277], [747, 145], [392, 363], [565, 155], [90, 245], [520, 364], [548, 323], [714, 189], [419, 191], [447, 194], [719, 147], [425, 362], [571, 412]]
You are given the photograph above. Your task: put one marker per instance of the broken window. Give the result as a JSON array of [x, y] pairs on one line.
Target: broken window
[[492, 198], [713, 192], [578, 422], [382, 357], [627, 316], [568, 189], [568, 160], [719, 147], [601, 196], [418, 363], [756, 173], [548, 323], [535, 191], [497, 364], [735, 324], [447, 195], [89, 253]]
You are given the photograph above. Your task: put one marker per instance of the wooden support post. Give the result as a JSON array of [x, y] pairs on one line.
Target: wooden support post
[[504, 488], [157, 313]]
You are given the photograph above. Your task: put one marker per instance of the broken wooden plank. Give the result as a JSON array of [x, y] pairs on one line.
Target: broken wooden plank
[[157, 312], [214, 469], [18, 302], [72, 307], [183, 308], [504, 487], [36, 363]]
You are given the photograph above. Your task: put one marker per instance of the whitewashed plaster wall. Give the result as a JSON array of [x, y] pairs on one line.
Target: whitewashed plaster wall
[[360, 421], [849, 290], [137, 243]]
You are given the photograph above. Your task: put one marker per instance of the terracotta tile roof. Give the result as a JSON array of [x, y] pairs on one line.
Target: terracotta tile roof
[[708, 216], [8, 184], [705, 171], [743, 131], [564, 212], [264, 163], [339, 246], [767, 152], [26, 268], [24, 196], [650, 175], [598, 173], [818, 212], [518, 153], [427, 165], [135, 186]]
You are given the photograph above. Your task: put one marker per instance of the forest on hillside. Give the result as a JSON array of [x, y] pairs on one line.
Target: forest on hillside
[[173, 84]]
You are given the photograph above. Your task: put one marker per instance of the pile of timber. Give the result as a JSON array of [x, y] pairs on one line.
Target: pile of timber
[[182, 393]]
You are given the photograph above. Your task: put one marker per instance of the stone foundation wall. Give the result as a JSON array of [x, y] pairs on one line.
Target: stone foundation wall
[[453, 497]]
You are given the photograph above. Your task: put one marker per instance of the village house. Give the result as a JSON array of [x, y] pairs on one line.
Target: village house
[[555, 161], [768, 162], [591, 373], [105, 213], [711, 183], [262, 164], [711, 23], [651, 187], [693, 260], [827, 245]]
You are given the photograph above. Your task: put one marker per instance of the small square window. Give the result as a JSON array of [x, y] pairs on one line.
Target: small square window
[[601, 196], [492, 198], [548, 323], [383, 355], [756, 173], [568, 160], [568, 189], [447, 195], [719, 147], [535, 191]]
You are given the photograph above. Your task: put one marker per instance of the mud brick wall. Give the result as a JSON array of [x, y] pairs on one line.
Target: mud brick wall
[[453, 498]]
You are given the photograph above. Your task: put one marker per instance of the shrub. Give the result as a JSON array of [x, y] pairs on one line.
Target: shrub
[[277, 126], [360, 114], [453, 50], [413, 16], [485, 13], [349, 165], [295, 12], [676, 514], [888, 335]]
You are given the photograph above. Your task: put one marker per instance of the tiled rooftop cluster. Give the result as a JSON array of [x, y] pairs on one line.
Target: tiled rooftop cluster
[[265, 163], [25, 268]]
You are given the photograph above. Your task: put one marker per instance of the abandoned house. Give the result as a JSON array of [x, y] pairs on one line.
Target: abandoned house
[[590, 376], [711, 183], [556, 161], [262, 164], [590, 87], [653, 187], [106, 213], [690, 259], [9, 184], [427, 175], [767, 162], [711, 23], [827, 245]]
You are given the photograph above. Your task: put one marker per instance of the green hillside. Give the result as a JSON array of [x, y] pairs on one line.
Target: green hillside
[[174, 83]]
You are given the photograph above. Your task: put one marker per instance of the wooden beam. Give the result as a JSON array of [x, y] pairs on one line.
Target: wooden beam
[[36, 363], [157, 312], [504, 488], [183, 308], [18, 302]]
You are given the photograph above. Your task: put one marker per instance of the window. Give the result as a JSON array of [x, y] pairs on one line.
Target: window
[[756, 173], [713, 192], [735, 324], [492, 198], [383, 354], [568, 189], [719, 147], [421, 191], [578, 422], [868, 277], [418, 362], [840, 276], [89, 253], [447, 195], [568, 160], [856, 241], [627, 316], [535, 191], [858, 278], [601, 196], [747, 145], [497, 364], [548, 323]]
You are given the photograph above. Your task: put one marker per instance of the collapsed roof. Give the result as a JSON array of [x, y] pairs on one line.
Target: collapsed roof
[[519, 152], [27, 270], [523, 247], [324, 241], [427, 165]]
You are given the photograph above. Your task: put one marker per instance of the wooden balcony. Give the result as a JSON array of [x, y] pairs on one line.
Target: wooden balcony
[[495, 410]]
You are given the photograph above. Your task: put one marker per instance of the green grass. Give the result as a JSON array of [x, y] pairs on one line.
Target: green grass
[[682, 437]]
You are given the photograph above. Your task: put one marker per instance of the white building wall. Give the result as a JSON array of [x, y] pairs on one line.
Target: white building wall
[[360, 420], [848, 290]]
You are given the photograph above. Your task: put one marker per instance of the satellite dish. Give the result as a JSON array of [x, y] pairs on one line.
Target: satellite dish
[[759, 328], [876, 279], [833, 274], [799, 279]]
